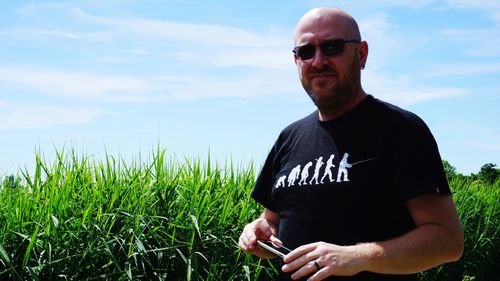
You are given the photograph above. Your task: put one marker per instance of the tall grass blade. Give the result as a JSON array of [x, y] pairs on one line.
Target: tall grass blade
[[4, 254]]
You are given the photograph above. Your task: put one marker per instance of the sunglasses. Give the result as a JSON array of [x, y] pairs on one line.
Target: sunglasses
[[329, 48]]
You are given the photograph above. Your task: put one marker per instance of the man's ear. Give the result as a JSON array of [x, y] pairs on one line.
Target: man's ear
[[363, 53]]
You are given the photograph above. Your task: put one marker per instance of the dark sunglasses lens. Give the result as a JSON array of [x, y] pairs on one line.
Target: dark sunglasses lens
[[306, 52], [329, 48], [332, 48]]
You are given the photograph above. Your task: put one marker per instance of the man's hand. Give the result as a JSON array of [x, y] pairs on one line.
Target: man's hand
[[322, 260], [263, 228]]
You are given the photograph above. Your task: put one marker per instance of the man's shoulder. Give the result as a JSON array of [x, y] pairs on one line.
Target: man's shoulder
[[298, 128], [393, 114], [305, 122]]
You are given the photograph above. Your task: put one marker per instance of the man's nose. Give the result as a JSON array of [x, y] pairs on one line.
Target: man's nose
[[319, 59]]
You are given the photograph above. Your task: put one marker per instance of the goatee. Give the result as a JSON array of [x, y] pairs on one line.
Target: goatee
[[341, 93]]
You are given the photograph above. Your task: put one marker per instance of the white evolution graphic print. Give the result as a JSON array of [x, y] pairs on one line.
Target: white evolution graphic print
[[296, 173]]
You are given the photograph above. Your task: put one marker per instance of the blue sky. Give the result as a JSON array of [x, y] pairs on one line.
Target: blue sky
[[193, 76]]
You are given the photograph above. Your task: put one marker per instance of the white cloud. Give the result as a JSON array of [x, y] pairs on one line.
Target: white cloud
[[490, 7], [367, 4], [476, 42], [33, 33], [477, 4], [266, 84], [111, 88], [478, 136], [220, 47], [77, 85], [204, 34], [139, 51], [405, 3], [30, 8], [404, 92], [463, 69], [485, 145], [387, 43], [21, 117], [267, 58], [388, 47], [410, 97]]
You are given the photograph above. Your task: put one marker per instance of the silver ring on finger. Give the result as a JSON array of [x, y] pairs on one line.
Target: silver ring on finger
[[317, 265]]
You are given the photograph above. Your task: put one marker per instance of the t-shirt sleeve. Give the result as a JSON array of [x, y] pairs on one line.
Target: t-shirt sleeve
[[263, 186], [419, 168]]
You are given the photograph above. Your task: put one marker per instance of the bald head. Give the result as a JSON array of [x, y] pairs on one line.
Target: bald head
[[332, 76], [336, 20]]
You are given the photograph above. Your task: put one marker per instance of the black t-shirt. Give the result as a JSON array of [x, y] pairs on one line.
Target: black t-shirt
[[347, 181]]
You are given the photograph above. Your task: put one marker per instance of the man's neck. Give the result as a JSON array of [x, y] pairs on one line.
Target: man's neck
[[328, 115]]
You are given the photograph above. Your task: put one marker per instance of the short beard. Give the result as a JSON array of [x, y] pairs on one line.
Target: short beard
[[343, 91]]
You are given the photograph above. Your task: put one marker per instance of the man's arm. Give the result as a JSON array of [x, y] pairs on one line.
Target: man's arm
[[437, 239], [265, 228]]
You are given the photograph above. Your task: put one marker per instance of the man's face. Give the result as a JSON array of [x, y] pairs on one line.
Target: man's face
[[329, 81]]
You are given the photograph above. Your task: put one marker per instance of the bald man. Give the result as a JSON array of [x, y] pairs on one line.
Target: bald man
[[388, 213]]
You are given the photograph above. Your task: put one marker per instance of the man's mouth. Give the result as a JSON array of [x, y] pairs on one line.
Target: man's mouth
[[323, 75]]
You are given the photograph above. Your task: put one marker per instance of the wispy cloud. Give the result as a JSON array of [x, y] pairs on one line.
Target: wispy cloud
[[476, 42], [485, 145], [219, 45], [207, 52], [367, 4], [492, 7], [76, 84], [37, 33], [485, 41], [388, 44], [483, 4], [264, 58], [35, 7], [404, 91], [22, 117], [463, 69], [479, 137], [111, 88], [205, 34], [219, 48], [139, 51], [268, 84]]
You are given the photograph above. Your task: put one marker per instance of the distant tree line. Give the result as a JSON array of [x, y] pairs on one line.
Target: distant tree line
[[488, 173]]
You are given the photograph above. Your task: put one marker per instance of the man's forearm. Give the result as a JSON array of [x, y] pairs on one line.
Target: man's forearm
[[423, 248]]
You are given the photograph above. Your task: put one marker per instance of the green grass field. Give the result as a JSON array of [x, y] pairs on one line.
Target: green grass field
[[165, 218]]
